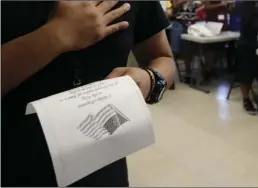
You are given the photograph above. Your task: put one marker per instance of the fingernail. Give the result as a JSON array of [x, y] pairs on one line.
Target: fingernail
[[127, 6], [124, 25]]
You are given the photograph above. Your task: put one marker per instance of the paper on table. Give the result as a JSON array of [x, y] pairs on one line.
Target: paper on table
[[92, 126], [214, 27]]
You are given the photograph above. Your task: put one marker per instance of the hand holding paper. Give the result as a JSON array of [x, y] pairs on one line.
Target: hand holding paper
[[140, 76], [92, 126]]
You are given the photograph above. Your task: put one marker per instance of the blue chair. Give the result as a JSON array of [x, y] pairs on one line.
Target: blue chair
[[235, 22], [177, 30]]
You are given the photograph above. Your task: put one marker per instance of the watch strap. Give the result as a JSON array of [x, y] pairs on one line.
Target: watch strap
[[152, 83], [155, 91]]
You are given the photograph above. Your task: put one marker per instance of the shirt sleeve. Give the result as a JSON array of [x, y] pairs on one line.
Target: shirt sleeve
[[150, 20]]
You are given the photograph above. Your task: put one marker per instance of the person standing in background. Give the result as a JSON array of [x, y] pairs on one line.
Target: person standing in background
[[247, 57]]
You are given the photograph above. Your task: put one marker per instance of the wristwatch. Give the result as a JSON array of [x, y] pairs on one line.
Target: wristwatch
[[158, 86]]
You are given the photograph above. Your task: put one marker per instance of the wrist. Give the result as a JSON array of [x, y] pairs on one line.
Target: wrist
[[53, 35]]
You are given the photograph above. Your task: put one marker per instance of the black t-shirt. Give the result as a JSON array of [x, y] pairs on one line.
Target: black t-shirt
[[25, 157]]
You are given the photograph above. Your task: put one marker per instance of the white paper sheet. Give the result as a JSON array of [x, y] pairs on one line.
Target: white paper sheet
[[214, 27], [92, 126]]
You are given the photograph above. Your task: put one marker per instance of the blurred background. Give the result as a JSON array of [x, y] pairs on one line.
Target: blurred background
[[210, 43]]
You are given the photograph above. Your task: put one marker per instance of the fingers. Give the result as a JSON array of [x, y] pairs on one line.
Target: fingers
[[117, 72], [106, 6], [112, 15], [115, 27], [123, 71]]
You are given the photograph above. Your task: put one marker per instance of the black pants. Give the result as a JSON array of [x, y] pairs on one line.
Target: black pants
[[247, 64]]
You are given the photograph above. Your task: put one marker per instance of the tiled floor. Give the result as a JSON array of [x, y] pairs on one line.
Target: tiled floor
[[201, 140]]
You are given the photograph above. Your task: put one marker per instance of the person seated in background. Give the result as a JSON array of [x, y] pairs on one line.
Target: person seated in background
[[247, 57], [217, 11], [186, 12]]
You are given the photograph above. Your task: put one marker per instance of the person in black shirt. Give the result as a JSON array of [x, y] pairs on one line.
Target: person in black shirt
[[50, 47], [247, 45]]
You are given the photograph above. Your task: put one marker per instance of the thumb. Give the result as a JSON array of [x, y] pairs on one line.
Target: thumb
[[117, 72]]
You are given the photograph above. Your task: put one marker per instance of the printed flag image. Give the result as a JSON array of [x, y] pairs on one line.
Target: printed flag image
[[104, 123]]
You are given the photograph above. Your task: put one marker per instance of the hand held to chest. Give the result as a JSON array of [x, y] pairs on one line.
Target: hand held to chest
[[80, 24]]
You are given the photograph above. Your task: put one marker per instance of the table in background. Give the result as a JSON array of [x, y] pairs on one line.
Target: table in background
[[200, 42], [225, 36]]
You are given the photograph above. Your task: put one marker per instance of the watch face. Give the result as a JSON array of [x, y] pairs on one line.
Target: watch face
[[159, 88]]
